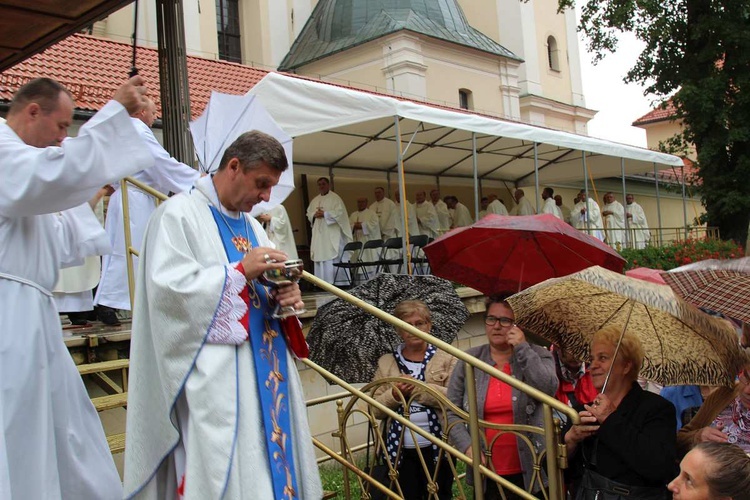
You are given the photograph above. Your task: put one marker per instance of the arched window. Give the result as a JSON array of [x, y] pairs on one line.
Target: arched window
[[553, 54], [465, 100]]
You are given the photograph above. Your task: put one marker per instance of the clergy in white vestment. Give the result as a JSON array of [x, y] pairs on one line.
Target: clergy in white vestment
[[73, 292], [523, 206], [587, 216], [496, 206], [52, 444], [165, 174], [637, 222], [279, 230], [386, 212], [365, 227], [461, 214], [330, 230], [215, 404], [564, 210], [427, 217], [550, 207], [442, 211], [411, 212], [613, 214], [483, 206]]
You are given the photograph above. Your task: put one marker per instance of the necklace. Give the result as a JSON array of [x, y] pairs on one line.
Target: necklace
[[240, 242]]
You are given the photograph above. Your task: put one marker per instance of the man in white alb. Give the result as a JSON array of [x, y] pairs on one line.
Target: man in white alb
[[587, 216], [564, 210], [461, 214], [550, 207], [483, 206], [637, 222], [411, 212], [442, 211], [279, 230], [365, 227], [614, 220], [386, 212], [427, 217], [330, 230], [52, 444], [523, 206], [496, 206], [166, 175]]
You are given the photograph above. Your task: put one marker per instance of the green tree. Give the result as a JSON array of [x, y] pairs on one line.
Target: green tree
[[697, 53]]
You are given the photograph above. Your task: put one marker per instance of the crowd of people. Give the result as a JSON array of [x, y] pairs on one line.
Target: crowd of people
[[625, 446]]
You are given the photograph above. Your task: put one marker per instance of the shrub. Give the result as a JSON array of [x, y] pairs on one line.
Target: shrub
[[680, 253]]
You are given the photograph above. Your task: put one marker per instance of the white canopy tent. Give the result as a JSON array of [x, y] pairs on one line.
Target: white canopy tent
[[343, 128]]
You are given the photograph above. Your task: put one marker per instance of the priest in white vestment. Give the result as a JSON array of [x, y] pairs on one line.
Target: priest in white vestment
[[279, 230], [564, 210], [496, 206], [427, 216], [637, 222], [441, 209], [365, 227], [386, 212], [165, 174], [483, 206], [550, 207], [216, 407], [461, 214], [330, 230], [52, 444], [411, 213], [523, 206], [587, 216], [613, 214]]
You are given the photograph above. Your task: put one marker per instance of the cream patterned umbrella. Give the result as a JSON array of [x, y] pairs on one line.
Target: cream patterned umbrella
[[682, 344]]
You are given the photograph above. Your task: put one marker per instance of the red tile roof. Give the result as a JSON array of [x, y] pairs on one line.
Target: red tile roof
[[656, 115], [107, 64], [674, 175]]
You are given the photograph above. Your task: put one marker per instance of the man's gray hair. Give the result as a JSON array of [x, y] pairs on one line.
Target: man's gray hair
[[254, 148]]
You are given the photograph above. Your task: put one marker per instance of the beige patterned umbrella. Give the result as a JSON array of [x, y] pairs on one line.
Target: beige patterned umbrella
[[683, 345]]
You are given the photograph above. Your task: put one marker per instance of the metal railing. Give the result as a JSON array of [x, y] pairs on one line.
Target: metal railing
[[658, 236], [553, 459]]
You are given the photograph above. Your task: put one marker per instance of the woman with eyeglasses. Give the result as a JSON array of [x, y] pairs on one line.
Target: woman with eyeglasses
[[624, 447], [723, 418], [508, 351], [415, 359]]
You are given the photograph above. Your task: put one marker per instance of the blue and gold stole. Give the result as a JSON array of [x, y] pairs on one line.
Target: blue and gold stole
[[269, 354]]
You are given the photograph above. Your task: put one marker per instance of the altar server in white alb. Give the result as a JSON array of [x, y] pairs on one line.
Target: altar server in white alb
[[215, 406], [51, 440], [386, 212], [442, 211], [550, 207], [411, 216], [496, 206], [523, 205], [461, 217], [427, 216], [330, 230], [637, 222], [365, 227], [279, 230], [165, 174], [586, 216], [614, 220]]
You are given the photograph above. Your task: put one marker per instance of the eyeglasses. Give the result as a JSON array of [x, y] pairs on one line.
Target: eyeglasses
[[420, 324], [504, 322]]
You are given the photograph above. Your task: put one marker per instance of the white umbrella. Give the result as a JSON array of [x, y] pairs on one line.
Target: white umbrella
[[225, 118]]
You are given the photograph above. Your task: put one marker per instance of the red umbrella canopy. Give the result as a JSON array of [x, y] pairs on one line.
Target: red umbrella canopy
[[647, 274], [510, 253]]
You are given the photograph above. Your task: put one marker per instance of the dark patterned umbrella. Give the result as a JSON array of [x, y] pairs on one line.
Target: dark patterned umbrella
[[347, 341]]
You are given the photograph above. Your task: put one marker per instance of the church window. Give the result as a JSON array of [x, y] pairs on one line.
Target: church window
[[228, 29], [553, 54]]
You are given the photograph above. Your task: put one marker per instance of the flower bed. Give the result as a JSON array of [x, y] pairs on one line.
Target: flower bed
[[681, 253]]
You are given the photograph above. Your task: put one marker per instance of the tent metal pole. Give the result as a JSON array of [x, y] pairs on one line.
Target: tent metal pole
[[388, 193], [625, 203], [536, 177], [437, 182], [330, 176], [684, 202], [586, 191], [476, 175], [658, 206], [402, 197]]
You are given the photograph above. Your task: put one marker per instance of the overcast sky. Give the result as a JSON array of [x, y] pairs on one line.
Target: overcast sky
[[618, 104]]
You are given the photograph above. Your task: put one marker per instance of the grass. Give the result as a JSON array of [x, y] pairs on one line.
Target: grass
[[332, 476]]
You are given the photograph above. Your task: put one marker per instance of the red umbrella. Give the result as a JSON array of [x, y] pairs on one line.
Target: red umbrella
[[647, 274], [510, 253]]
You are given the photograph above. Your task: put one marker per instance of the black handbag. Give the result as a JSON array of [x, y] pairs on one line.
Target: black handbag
[[594, 486]]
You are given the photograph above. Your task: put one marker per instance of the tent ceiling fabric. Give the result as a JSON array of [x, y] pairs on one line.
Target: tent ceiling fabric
[[28, 27], [340, 127]]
